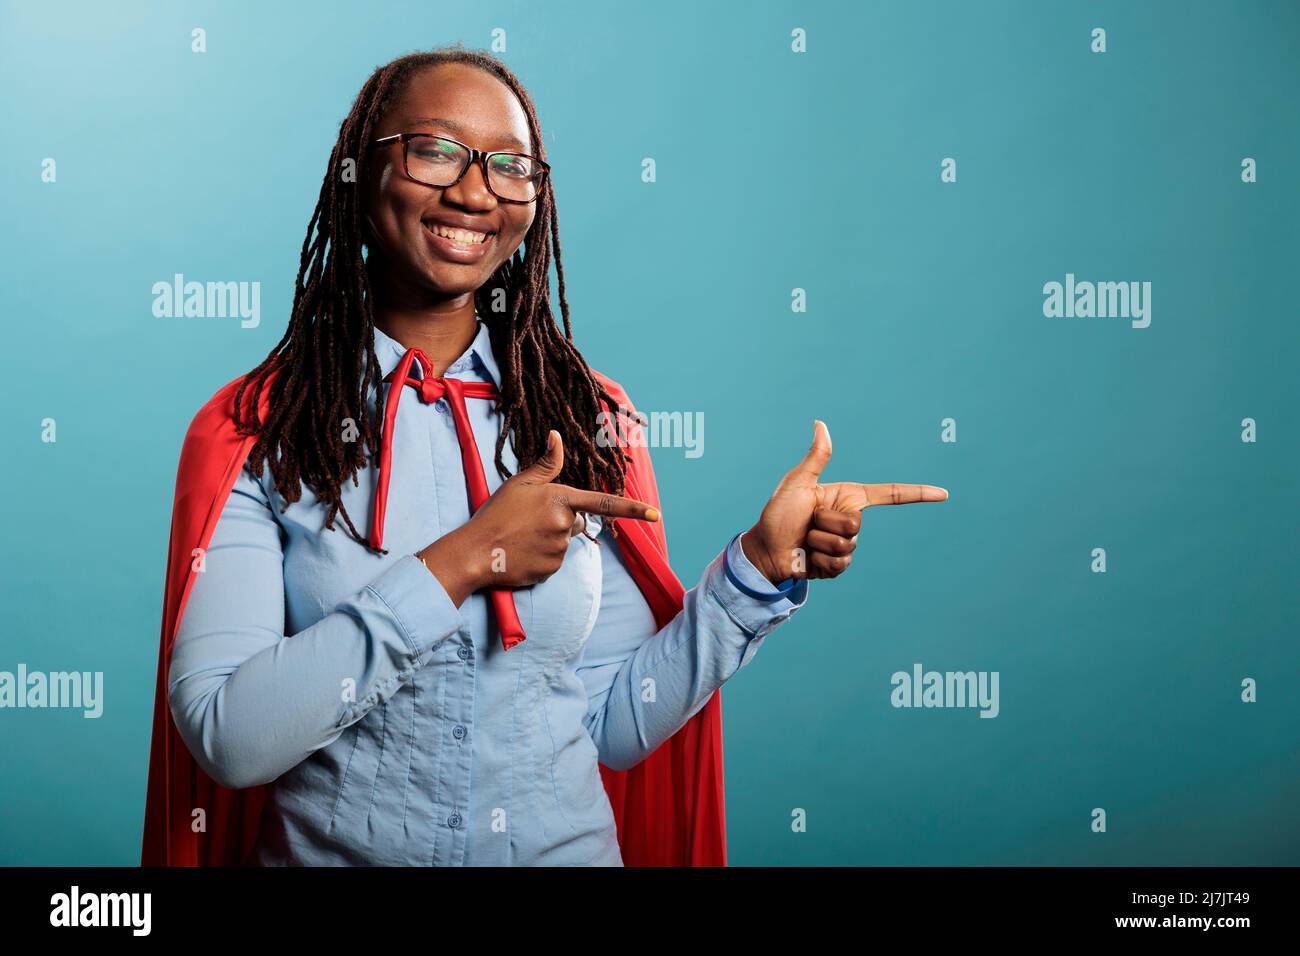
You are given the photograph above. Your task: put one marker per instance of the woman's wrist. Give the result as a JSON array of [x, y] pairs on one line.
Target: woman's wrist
[[453, 564], [751, 543]]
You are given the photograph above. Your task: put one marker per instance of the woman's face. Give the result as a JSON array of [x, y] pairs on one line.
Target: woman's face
[[477, 109]]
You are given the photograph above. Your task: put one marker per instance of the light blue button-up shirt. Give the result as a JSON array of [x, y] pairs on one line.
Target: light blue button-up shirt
[[392, 728]]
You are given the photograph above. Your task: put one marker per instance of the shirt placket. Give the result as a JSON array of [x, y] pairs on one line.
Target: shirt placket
[[456, 721]]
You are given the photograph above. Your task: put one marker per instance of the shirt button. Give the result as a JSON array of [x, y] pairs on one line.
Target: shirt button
[[458, 732], [463, 653], [453, 821]]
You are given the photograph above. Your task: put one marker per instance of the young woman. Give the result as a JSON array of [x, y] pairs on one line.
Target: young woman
[[444, 688]]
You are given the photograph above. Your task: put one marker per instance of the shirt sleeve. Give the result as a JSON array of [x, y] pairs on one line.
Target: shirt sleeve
[[251, 702], [643, 684]]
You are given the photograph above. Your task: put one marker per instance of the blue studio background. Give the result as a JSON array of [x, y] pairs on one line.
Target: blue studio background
[[776, 171]]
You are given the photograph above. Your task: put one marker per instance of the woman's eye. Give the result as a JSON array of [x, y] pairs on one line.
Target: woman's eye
[[436, 151], [516, 167]]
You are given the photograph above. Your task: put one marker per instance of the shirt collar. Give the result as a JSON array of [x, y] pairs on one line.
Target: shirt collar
[[478, 357]]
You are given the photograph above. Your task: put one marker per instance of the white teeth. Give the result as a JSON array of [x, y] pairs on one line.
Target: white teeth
[[457, 235]]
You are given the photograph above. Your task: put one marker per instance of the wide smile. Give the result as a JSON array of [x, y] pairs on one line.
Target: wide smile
[[458, 245]]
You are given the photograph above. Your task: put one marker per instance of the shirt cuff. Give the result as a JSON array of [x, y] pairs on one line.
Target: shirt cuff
[[750, 580], [751, 599], [420, 604]]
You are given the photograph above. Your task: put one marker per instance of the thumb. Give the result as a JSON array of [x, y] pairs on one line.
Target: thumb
[[810, 468], [547, 467]]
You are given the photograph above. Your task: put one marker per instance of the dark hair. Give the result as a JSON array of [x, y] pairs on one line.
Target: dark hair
[[326, 359]]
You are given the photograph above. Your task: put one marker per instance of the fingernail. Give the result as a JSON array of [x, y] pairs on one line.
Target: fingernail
[[652, 514]]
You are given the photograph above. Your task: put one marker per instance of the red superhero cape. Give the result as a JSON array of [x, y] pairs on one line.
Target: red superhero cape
[[669, 808]]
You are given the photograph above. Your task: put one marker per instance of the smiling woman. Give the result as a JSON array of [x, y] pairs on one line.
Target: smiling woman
[[505, 669], [396, 216]]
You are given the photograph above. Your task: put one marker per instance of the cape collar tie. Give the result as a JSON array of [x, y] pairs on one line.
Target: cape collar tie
[[430, 389]]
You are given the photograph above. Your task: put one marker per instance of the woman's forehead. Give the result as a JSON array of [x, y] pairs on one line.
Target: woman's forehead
[[466, 102]]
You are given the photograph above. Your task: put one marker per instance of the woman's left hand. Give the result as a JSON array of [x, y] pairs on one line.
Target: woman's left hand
[[809, 530]]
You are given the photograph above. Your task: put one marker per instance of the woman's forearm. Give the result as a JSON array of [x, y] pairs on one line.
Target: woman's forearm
[[251, 703], [672, 674]]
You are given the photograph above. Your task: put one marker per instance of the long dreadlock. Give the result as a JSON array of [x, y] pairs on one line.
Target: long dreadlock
[[326, 359]]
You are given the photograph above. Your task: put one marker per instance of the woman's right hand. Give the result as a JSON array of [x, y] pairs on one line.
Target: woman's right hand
[[521, 533]]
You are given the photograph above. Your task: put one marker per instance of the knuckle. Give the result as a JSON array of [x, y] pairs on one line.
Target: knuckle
[[829, 565]]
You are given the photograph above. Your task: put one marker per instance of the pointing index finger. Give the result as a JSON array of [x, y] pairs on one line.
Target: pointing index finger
[[892, 493], [613, 506]]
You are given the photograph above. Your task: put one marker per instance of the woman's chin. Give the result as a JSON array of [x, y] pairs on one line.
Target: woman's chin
[[448, 279]]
